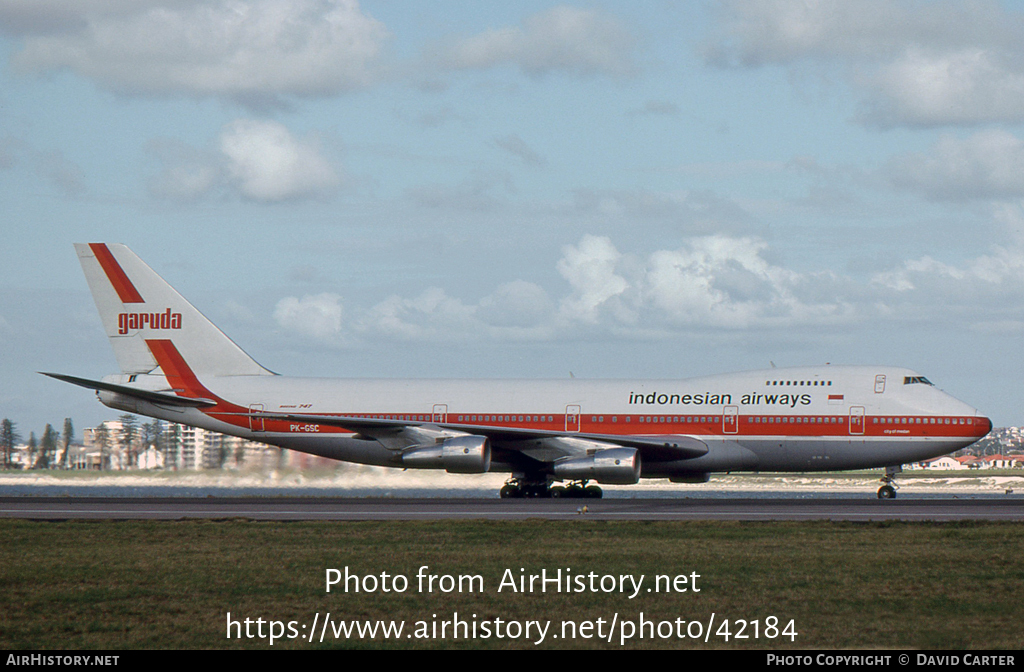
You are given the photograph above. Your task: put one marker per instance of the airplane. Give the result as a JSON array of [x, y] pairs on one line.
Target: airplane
[[554, 437]]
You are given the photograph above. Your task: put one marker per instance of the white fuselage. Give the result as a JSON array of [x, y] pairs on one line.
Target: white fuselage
[[801, 419]]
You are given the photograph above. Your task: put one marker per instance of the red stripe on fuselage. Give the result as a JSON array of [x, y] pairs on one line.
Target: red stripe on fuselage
[[185, 384], [180, 377], [122, 285], [749, 426]]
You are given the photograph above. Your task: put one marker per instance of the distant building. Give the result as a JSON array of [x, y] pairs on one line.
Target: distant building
[[997, 462], [150, 458], [197, 448], [944, 463], [179, 447], [969, 461]]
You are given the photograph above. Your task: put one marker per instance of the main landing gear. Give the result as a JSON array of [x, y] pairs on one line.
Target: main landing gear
[[888, 489], [517, 488]]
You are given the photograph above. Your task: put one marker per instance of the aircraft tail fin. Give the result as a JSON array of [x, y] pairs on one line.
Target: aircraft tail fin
[[140, 311]]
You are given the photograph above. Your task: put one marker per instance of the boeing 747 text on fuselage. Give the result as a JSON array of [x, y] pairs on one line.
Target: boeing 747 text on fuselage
[[177, 366]]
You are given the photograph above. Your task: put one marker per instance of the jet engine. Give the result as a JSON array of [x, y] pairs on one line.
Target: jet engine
[[457, 455], [616, 466]]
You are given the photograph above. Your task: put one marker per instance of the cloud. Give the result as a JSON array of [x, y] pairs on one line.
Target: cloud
[[966, 87], [916, 64], [1003, 268], [719, 281], [562, 39], [228, 48], [713, 282], [64, 174], [517, 147], [717, 284], [518, 304], [759, 32], [187, 173], [984, 293], [50, 165], [590, 270], [41, 17], [267, 163], [431, 315], [259, 160], [986, 165], [305, 274], [475, 193], [515, 311], [690, 212], [317, 316]]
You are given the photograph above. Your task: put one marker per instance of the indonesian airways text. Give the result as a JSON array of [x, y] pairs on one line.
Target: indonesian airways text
[[710, 399]]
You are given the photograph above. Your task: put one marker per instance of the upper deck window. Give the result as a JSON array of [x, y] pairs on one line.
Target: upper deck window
[[914, 380]]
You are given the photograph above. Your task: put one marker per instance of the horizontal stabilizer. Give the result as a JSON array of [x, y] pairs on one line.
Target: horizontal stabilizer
[[145, 395]]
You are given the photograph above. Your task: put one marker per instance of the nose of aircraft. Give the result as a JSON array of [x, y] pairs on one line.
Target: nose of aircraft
[[985, 427]]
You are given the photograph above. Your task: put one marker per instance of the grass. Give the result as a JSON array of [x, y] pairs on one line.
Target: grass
[[119, 585]]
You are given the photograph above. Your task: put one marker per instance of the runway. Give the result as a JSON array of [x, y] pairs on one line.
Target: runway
[[351, 509]]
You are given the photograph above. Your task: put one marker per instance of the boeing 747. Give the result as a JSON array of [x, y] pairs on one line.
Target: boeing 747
[[553, 436]]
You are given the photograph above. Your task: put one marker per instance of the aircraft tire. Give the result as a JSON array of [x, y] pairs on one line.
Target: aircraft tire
[[887, 492], [593, 492]]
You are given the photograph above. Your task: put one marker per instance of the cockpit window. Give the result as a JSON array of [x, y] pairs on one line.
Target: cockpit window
[[914, 380]]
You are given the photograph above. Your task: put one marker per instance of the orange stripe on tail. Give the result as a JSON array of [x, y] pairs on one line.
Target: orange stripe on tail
[[122, 285], [179, 375]]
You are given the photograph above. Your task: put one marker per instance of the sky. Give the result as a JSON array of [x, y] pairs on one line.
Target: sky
[[521, 190]]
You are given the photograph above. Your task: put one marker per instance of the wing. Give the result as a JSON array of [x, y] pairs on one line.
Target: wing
[[542, 445]]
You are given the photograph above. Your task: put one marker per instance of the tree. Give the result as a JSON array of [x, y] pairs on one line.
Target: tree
[[129, 428], [9, 438], [172, 444], [239, 453], [156, 430], [33, 448], [218, 451], [47, 447], [65, 443], [150, 435], [101, 437]]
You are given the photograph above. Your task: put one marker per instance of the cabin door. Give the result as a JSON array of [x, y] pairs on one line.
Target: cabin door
[[856, 419], [255, 419], [731, 421], [572, 418]]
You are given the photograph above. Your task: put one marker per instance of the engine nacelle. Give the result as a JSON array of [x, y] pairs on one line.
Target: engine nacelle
[[457, 455], [615, 466], [121, 402]]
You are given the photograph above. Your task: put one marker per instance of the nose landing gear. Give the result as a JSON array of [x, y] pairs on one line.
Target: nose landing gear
[[888, 489]]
